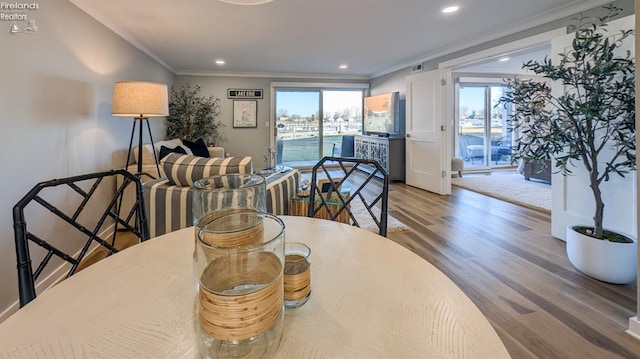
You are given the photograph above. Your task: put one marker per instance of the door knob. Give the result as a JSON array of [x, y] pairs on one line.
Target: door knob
[[408, 135]]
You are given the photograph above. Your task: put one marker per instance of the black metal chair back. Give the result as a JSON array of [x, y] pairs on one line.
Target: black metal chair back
[[96, 215], [339, 173]]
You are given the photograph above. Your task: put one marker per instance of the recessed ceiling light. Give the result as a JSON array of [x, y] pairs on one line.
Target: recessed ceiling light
[[219, 62], [343, 67], [503, 59], [246, 2], [450, 9]]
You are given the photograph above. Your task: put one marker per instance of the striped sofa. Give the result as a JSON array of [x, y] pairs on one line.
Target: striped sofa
[[168, 200]]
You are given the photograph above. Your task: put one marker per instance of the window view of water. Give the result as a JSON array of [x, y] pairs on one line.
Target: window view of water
[[303, 124]]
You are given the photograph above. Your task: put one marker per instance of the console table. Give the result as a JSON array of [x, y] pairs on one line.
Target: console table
[[388, 151]]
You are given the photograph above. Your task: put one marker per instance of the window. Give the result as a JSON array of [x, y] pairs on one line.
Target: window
[[483, 138], [310, 121]]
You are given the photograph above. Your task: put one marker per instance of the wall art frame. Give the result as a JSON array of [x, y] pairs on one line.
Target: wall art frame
[[245, 113]]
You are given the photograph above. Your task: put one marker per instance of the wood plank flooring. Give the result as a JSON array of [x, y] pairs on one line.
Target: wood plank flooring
[[505, 259]]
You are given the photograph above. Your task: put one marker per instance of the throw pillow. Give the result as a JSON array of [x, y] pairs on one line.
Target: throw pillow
[[164, 151], [147, 151], [198, 147], [184, 170]]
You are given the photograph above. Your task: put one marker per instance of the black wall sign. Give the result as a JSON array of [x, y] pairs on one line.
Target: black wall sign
[[244, 93]]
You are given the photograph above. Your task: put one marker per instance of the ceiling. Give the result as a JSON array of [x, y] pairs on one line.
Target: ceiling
[[292, 38]]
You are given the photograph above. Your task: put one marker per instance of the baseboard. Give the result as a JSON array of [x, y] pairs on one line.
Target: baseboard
[[634, 327], [9, 311], [54, 278]]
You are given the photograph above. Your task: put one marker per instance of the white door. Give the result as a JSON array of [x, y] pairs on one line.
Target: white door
[[425, 140], [572, 201]]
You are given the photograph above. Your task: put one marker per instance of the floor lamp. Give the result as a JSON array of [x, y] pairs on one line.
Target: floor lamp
[[140, 100]]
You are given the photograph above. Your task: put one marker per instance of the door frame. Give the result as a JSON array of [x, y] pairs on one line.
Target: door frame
[[494, 52]]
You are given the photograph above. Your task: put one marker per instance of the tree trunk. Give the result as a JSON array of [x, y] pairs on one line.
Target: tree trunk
[[597, 195]]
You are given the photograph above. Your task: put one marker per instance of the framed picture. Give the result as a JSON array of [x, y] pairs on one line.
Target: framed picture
[[245, 113]]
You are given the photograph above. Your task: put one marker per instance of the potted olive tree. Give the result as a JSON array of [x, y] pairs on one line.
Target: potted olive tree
[[590, 123], [193, 117]]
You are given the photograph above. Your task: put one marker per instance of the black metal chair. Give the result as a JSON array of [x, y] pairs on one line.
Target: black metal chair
[[89, 211], [370, 182]]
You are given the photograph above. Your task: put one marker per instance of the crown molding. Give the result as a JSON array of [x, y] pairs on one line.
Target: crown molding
[[120, 32], [572, 8], [282, 75]]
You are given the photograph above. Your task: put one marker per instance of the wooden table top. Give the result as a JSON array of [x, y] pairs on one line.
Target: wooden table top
[[371, 298]]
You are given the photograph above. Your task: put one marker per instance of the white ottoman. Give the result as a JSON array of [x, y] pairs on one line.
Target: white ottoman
[[457, 164]]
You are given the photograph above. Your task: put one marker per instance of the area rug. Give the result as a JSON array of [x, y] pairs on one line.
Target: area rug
[[511, 188], [366, 222]]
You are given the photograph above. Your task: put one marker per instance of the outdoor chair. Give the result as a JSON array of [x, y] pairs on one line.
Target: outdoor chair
[[345, 148], [473, 148], [343, 181], [69, 218]]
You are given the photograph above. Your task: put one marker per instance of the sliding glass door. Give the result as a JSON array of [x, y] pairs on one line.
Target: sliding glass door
[[310, 122], [483, 140], [297, 126]]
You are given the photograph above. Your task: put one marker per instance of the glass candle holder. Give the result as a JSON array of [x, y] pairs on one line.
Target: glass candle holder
[[297, 274], [240, 302]]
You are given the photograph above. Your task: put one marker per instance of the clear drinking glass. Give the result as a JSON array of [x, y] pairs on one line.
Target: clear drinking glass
[[240, 301], [297, 274]]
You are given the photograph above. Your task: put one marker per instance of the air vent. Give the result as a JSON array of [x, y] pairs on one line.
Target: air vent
[[416, 68]]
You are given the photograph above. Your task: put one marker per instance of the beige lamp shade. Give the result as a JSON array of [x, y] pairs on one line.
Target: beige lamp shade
[[140, 99]]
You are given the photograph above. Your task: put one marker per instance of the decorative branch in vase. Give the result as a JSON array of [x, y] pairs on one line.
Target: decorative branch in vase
[[269, 158]]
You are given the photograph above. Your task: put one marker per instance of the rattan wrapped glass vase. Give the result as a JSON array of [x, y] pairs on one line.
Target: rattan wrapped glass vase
[[240, 301], [216, 196]]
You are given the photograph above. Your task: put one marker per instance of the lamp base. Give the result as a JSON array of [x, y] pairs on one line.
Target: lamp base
[[138, 120]]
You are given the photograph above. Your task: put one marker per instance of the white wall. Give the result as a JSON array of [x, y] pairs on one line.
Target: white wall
[[245, 141], [239, 141], [392, 82], [55, 109]]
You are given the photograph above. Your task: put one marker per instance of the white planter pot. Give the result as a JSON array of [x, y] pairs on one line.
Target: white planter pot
[[603, 260]]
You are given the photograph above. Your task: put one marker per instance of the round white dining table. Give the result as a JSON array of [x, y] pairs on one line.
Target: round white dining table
[[371, 298]]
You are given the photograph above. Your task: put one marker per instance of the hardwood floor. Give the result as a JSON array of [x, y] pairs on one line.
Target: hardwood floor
[[505, 259]]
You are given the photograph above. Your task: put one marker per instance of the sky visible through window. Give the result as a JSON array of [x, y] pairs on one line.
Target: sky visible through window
[[472, 99], [299, 103], [306, 104]]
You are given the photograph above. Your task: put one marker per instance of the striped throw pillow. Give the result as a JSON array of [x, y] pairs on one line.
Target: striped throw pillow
[[184, 170]]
